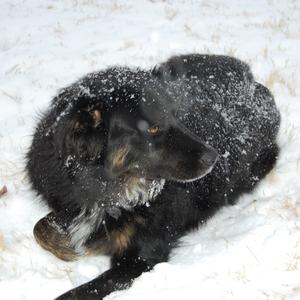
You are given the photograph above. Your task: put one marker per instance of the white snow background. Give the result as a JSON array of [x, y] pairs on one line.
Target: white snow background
[[248, 251]]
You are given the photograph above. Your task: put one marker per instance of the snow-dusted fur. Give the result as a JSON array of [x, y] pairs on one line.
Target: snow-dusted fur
[[201, 123], [247, 251]]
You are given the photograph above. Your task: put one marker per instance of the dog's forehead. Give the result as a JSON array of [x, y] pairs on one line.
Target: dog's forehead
[[155, 107], [154, 110]]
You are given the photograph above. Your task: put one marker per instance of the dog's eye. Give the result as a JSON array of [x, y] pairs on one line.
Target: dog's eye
[[153, 130]]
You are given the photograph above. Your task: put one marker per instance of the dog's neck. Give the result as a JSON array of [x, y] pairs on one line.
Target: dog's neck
[[140, 191], [132, 193]]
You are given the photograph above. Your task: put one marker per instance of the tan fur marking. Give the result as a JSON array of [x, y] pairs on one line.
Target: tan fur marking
[[1, 243], [121, 239], [100, 247], [97, 117], [53, 241], [119, 157], [58, 243], [117, 241]]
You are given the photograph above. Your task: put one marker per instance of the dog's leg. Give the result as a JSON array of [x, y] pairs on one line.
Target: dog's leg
[[64, 234], [121, 276], [143, 254], [51, 233]]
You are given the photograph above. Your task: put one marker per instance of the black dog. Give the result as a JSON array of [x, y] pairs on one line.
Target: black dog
[[131, 160]]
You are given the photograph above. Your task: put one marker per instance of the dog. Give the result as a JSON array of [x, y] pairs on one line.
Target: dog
[[130, 160]]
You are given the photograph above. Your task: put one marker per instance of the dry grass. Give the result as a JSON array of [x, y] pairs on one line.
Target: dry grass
[[273, 177], [11, 173], [280, 25], [292, 206], [293, 265], [1, 243], [190, 32], [292, 133], [170, 13], [241, 275], [277, 77], [298, 165], [3, 190], [231, 51], [265, 53]]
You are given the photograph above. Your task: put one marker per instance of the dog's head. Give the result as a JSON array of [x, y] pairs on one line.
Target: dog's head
[[147, 141], [138, 143]]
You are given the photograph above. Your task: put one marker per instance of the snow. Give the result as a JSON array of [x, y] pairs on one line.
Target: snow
[[248, 251]]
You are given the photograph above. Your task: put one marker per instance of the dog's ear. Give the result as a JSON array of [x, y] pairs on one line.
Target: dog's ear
[[88, 118]]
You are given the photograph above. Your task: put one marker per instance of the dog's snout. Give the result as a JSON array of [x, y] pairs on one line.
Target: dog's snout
[[209, 158]]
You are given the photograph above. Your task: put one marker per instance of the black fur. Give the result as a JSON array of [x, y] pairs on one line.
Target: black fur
[[169, 126]]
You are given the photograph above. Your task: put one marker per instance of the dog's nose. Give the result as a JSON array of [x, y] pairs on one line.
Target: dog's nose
[[209, 158]]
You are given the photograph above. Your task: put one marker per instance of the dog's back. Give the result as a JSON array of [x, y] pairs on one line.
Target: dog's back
[[217, 98]]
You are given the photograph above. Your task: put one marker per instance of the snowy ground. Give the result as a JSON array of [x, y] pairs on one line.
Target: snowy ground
[[249, 251]]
